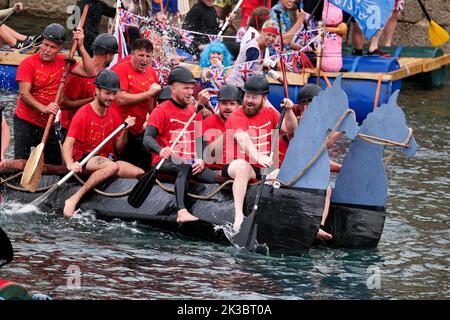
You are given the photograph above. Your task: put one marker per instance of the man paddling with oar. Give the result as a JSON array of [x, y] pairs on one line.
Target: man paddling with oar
[[39, 77], [170, 120], [248, 139], [91, 125]]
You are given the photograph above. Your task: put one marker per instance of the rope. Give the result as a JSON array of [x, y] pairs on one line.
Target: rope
[[386, 142], [319, 152], [112, 194], [194, 196], [21, 189]]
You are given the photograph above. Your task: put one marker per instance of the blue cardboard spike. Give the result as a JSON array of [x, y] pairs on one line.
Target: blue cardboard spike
[[362, 180], [321, 116]]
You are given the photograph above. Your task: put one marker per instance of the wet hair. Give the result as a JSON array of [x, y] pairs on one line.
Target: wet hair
[[215, 47], [145, 44], [258, 17]]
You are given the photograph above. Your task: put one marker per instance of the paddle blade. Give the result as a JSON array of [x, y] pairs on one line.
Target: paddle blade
[[6, 249], [437, 35], [243, 239], [33, 169], [142, 189], [38, 201]]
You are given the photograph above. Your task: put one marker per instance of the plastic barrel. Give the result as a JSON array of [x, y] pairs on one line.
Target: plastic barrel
[[361, 92], [8, 78], [428, 80]]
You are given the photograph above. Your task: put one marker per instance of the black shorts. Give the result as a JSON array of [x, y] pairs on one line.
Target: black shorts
[[226, 175], [28, 135], [135, 153], [61, 132]]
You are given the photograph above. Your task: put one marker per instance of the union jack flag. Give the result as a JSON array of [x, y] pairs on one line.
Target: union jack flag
[[186, 37], [118, 34], [125, 18], [213, 37], [246, 70], [331, 35], [289, 62], [217, 77]]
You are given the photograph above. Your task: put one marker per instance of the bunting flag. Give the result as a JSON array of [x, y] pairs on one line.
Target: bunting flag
[[119, 29], [214, 37], [217, 77], [331, 35], [126, 18], [371, 15], [186, 37], [245, 69]]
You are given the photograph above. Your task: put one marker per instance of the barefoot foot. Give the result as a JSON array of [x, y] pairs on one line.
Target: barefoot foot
[[185, 216], [69, 207]]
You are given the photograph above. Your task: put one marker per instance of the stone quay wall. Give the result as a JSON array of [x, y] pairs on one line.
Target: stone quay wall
[[411, 30]]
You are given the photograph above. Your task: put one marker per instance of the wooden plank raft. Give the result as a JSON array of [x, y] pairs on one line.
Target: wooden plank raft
[[409, 66]]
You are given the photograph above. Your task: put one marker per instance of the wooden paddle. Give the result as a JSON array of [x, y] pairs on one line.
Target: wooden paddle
[[6, 249], [437, 35], [246, 237], [8, 16], [42, 198], [143, 187], [227, 20], [33, 169]]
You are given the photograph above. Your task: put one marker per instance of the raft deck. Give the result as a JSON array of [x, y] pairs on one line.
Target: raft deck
[[409, 66]]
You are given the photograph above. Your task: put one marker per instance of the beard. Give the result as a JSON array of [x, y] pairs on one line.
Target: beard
[[251, 110], [105, 103]]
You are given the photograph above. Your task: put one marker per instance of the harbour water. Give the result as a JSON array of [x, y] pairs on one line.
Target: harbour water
[[85, 258]]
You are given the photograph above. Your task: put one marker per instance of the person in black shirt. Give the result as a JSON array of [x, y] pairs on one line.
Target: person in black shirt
[[97, 9], [203, 18]]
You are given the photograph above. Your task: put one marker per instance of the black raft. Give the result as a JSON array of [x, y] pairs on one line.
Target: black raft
[[287, 220]]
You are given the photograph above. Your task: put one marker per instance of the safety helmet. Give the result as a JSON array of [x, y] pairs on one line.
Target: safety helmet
[[257, 84], [106, 42], [107, 79], [54, 32]]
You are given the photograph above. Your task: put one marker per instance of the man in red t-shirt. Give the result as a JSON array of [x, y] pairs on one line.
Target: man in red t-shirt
[[138, 81], [39, 77], [248, 139], [90, 126], [79, 91], [213, 127], [164, 126]]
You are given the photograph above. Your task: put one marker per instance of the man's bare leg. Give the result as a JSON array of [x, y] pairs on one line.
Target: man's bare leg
[[321, 234], [241, 172], [101, 169], [7, 37], [15, 34], [128, 170], [389, 28]]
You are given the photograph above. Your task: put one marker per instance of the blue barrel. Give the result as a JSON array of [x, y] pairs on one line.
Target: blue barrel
[[361, 92], [8, 78], [276, 94]]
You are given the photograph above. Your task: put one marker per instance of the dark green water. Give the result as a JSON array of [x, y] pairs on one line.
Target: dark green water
[[123, 260]]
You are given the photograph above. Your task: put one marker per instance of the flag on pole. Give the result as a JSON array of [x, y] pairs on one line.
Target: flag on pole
[[371, 15], [119, 35]]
